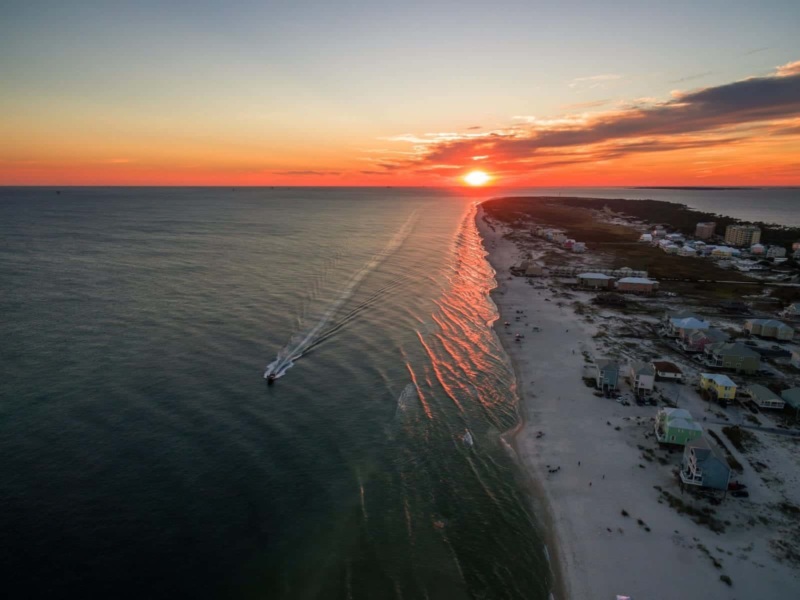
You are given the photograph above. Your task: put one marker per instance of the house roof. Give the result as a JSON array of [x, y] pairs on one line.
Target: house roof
[[713, 335], [792, 397], [689, 323], [684, 424], [666, 367], [594, 276], [769, 323], [607, 364], [703, 450], [734, 349], [636, 280], [760, 393], [719, 379], [642, 368]]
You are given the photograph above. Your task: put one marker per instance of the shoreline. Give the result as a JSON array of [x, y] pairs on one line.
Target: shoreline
[[607, 525]]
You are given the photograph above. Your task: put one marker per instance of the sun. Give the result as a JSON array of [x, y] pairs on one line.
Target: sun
[[477, 178]]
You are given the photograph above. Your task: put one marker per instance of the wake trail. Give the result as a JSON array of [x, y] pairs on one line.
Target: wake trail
[[303, 342]]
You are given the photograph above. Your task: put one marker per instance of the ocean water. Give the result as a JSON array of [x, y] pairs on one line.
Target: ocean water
[[143, 453]]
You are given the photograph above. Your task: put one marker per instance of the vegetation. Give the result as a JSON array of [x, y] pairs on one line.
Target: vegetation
[[741, 439]]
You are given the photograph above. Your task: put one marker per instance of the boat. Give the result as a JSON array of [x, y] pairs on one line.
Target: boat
[[467, 438], [271, 378]]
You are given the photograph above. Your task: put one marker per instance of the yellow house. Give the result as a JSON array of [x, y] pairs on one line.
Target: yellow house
[[720, 386]]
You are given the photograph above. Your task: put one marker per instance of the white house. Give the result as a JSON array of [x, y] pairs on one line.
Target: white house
[[667, 370], [641, 376], [764, 397], [796, 359]]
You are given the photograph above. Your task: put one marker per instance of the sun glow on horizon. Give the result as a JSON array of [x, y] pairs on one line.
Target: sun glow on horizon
[[477, 178]]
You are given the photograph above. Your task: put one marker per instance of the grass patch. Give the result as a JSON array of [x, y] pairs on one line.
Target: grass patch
[[725, 579], [698, 516], [741, 439]]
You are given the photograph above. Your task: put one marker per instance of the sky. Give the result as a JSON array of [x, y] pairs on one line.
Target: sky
[[342, 92]]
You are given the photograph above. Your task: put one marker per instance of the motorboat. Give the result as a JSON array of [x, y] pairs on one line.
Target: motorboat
[[271, 378]]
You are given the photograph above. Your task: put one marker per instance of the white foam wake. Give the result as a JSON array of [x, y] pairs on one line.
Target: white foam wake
[[302, 342]]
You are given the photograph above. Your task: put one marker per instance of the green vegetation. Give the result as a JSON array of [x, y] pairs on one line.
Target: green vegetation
[[741, 439], [699, 516], [725, 579]]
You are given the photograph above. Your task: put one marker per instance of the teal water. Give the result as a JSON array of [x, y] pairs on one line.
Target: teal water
[[143, 453]]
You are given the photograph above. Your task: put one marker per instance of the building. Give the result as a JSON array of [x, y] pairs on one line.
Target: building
[[705, 230], [596, 280], [641, 377], [579, 247], [606, 374], [687, 250], [792, 398], [795, 359], [734, 356], [534, 270], [742, 235], [668, 371], [792, 311], [764, 397], [757, 249], [703, 466], [637, 285], [676, 426], [776, 252], [697, 340], [646, 237], [720, 388], [769, 328], [682, 328]]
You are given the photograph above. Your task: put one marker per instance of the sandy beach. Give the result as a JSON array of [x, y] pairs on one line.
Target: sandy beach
[[604, 503]]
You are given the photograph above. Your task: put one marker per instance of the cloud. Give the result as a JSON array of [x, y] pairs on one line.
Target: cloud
[[584, 105], [692, 77], [593, 81], [474, 127], [756, 51], [307, 172], [708, 117], [789, 69]]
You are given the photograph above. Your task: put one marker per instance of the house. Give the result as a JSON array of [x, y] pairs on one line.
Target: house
[[606, 374], [697, 340], [769, 328], [703, 466], [646, 237], [687, 250], [764, 397], [776, 252], [757, 249], [637, 285], [735, 356], [676, 426], [534, 270], [579, 247], [718, 387], [595, 280], [792, 311], [682, 328], [641, 376], [667, 370], [795, 362], [792, 398]]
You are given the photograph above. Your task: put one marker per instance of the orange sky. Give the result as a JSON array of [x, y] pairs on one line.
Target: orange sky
[[117, 99]]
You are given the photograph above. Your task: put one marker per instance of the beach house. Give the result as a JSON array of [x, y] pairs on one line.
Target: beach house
[[703, 466], [769, 328], [792, 398], [792, 311], [732, 355], [682, 328], [641, 376], [667, 371], [795, 359], [676, 426], [606, 374], [764, 397], [637, 285], [720, 388], [697, 340], [595, 281]]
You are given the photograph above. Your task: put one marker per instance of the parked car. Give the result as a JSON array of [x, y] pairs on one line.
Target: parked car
[[735, 485], [740, 494]]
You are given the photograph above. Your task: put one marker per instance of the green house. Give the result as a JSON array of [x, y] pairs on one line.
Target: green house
[[676, 426]]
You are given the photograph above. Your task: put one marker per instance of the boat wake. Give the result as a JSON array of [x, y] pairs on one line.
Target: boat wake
[[301, 343]]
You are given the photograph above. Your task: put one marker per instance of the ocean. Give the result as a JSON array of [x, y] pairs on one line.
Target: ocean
[[144, 454]]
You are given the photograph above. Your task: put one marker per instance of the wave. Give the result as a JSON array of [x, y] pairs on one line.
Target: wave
[[301, 343]]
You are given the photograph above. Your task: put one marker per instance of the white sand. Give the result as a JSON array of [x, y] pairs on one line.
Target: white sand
[[600, 552]]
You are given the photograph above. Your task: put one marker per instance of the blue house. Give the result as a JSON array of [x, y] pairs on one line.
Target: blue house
[[703, 466], [607, 374]]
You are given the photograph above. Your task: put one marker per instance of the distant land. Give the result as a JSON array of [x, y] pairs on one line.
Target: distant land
[[691, 187]]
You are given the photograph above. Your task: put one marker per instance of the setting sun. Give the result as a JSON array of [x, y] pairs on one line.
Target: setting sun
[[476, 178]]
